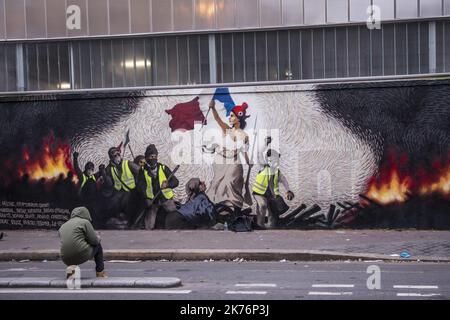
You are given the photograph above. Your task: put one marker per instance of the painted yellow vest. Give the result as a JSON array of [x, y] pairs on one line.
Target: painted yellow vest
[[262, 182], [85, 179], [127, 178], [168, 193]]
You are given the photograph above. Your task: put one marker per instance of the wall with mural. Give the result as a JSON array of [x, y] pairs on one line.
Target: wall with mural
[[350, 155]]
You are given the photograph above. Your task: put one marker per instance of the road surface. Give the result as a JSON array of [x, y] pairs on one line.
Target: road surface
[[220, 280]]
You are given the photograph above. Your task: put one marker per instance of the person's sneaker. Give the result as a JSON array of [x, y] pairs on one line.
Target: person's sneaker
[[101, 274], [70, 271]]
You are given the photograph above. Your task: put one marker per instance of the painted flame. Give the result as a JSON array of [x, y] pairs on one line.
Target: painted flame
[[394, 186], [49, 162], [440, 185], [396, 189]]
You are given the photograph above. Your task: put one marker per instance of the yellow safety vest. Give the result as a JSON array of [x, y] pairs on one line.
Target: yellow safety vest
[[262, 182], [85, 179], [168, 193], [126, 177]]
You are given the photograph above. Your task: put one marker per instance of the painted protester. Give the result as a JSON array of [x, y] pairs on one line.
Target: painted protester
[[118, 191], [266, 189], [228, 182], [156, 183], [88, 181], [87, 178], [198, 211]]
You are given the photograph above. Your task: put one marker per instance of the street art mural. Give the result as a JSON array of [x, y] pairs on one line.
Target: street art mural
[[291, 156]]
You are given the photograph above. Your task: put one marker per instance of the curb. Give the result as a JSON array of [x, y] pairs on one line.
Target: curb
[[156, 282], [220, 254]]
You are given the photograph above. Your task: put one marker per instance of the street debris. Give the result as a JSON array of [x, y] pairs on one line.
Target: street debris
[[26, 260], [405, 255]]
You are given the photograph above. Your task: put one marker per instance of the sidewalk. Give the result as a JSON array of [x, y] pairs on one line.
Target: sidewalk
[[54, 282], [270, 245]]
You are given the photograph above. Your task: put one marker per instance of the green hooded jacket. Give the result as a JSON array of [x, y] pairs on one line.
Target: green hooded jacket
[[78, 238]]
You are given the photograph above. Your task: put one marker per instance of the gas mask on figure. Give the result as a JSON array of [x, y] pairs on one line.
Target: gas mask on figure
[[151, 156], [273, 159], [117, 160], [152, 160], [114, 156], [273, 163], [89, 169]]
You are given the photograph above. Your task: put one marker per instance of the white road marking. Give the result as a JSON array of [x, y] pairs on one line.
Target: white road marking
[[333, 285], [246, 292], [350, 271], [99, 291], [319, 293], [34, 270], [64, 270], [14, 269], [415, 287], [250, 285], [417, 294]]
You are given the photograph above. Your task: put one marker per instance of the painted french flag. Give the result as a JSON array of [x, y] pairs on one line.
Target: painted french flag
[[223, 95], [185, 115]]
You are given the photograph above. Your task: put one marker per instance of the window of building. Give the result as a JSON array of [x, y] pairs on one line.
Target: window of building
[[255, 56]]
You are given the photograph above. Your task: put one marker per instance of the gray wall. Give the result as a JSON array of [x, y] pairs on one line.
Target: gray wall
[[41, 19]]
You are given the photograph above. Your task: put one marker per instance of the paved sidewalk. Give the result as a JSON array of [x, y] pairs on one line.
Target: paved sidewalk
[[42, 282], [257, 245]]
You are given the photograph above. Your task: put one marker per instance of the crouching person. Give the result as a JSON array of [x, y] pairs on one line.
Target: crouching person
[[80, 243]]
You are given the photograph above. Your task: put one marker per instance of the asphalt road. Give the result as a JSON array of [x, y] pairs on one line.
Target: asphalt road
[[247, 280]]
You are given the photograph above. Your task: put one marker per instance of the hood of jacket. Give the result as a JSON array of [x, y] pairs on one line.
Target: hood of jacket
[[81, 212]]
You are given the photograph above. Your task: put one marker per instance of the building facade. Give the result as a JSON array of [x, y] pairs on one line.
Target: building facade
[[104, 44]]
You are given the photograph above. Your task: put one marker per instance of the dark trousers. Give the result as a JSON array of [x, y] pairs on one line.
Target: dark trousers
[[174, 220], [98, 257]]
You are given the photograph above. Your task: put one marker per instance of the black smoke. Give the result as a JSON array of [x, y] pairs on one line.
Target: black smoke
[[411, 118]]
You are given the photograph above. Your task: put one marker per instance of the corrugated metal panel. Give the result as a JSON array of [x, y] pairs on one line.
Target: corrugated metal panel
[[25, 19]]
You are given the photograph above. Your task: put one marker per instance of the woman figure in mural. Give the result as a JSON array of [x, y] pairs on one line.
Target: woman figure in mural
[[228, 182]]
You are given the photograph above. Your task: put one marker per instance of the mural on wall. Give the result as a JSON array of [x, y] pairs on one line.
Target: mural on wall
[[297, 156]]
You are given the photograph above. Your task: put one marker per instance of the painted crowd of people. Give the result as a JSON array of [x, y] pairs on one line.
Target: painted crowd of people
[[140, 193]]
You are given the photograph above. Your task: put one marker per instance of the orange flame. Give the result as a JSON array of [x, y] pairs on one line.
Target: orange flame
[[440, 185], [391, 186], [50, 162], [394, 190]]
